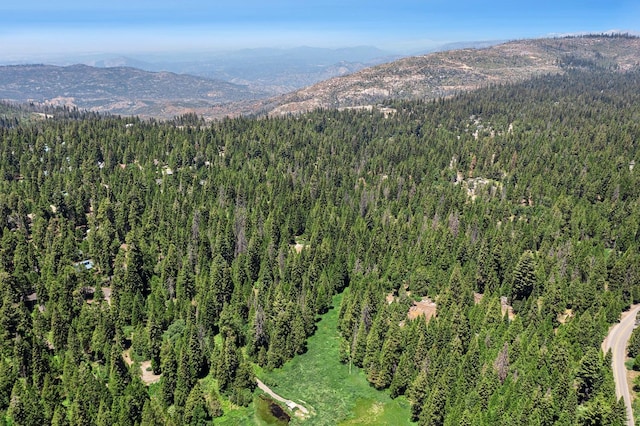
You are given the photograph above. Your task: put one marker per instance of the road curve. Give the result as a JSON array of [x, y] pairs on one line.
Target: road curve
[[617, 340], [277, 397]]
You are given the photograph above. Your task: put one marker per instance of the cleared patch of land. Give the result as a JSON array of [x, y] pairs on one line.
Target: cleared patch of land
[[146, 374], [426, 307], [329, 389]]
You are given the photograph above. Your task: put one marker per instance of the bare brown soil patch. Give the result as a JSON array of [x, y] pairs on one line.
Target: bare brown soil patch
[[390, 298], [300, 244], [106, 293], [126, 356], [426, 307], [505, 308], [146, 373], [564, 317]]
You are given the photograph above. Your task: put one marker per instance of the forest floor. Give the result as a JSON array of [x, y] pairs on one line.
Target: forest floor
[[335, 392], [505, 308], [106, 292], [146, 373]]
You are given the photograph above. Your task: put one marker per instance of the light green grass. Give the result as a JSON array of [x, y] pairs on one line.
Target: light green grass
[[253, 415], [235, 415], [328, 389]]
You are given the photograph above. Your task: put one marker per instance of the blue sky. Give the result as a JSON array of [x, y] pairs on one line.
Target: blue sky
[[37, 27]]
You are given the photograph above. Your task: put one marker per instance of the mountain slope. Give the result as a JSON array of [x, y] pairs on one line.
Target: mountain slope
[[117, 90], [445, 73], [270, 70], [130, 91]]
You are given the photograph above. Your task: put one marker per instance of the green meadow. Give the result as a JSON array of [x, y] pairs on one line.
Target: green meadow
[[333, 392]]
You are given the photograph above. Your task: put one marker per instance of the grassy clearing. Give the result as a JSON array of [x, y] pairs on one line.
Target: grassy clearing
[[328, 389], [237, 416], [233, 414]]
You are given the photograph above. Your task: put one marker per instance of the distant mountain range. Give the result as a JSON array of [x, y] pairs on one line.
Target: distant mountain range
[[268, 70], [118, 90], [130, 91], [445, 73]]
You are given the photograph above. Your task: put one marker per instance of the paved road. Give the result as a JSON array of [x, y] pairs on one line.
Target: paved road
[[617, 341]]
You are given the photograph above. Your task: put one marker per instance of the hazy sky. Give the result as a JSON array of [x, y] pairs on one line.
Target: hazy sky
[[36, 27]]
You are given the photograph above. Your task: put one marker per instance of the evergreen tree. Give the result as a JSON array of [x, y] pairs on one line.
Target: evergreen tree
[[524, 278], [589, 376], [389, 356], [185, 379], [195, 412], [418, 393], [119, 376], [169, 374], [633, 347], [227, 364]]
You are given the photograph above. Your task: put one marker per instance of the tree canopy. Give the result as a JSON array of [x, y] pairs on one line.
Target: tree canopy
[[512, 212]]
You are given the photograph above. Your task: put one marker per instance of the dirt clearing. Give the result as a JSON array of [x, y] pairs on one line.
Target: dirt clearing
[[426, 307], [146, 373]]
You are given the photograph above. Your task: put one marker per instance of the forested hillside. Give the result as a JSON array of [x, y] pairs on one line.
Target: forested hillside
[[446, 73], [201, 250]]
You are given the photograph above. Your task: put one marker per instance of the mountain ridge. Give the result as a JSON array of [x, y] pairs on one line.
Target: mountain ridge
[[274, 71], [165, 94], [117, 90], [442, 74]]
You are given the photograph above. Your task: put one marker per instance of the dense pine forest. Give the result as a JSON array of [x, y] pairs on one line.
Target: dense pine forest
[[188, 250]]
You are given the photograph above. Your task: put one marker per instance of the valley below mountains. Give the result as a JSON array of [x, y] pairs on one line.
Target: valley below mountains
[[117, 90], [164, 95]]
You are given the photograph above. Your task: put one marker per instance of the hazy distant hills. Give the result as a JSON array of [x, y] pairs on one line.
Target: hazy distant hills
[[280, 71], [445, 73], [130, 91], [269, 70], [164, 86], [118, 90]]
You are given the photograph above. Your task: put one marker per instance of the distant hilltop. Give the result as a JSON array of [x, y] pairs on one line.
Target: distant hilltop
[[118, 90], [130, 91], [445, 73]]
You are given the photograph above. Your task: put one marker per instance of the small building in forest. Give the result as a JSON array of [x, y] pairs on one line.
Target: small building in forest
[[88, 264]]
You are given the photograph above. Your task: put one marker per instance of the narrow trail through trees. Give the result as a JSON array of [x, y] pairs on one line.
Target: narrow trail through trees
[[290, 404]]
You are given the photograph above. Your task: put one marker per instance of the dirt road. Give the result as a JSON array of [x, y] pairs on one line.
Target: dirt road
[[617, 340], [277, 397]]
